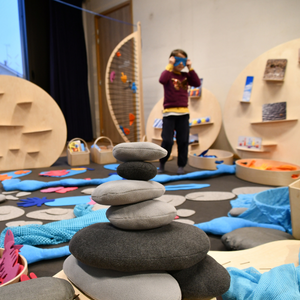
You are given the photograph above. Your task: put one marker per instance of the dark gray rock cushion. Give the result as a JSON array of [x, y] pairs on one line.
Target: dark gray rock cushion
[[46, 288], [120, 192], [137, 170], [143, 215], [249, 237], [205, 280], [100, 284], [172, 247], [138, 151]]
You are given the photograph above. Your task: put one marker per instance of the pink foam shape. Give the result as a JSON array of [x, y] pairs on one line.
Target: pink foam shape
[[67, 189], [52, 189]]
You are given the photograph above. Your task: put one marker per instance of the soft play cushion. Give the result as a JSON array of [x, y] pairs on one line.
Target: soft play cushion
[[143, 215], [249, 237], [236, 211], [137, 170], [205, 280], [127, 191], [138, 151], [171, 247], [102, 284], [46, 288]]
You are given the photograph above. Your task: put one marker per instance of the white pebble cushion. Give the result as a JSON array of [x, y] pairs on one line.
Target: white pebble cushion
[[143, 215], [120, 192], [141, 151], [100, 284]]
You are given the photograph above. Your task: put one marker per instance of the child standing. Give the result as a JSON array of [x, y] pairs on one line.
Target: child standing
[[176, 112]]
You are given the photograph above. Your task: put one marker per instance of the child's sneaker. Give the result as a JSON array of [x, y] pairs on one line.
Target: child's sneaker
[[180, 171], [161, 169]]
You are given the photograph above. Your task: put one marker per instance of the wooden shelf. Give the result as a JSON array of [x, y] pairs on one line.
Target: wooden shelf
[[1, 93], [274, 80], [14, 149], [251, 149], [195, 97], [274, 121], [37, 131], [24, 102], [248, 102], [202, 124], [10, 125], [269, 144], [33, 152]]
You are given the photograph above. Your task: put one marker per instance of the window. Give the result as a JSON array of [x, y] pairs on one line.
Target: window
[[13, 46]]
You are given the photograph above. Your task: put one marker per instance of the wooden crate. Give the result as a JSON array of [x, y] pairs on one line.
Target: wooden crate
[[78, 158], [102, 155], [294, 191]]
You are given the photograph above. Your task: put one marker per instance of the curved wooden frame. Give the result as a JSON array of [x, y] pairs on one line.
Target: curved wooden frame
[[136, 36]]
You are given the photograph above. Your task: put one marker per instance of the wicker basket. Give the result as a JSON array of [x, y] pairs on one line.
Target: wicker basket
[[78, 158], [102, 155]]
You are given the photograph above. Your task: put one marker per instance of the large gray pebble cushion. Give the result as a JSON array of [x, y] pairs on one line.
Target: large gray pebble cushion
[[137, 170], [249, 237], [120, 192], [204, 280], [138, 151], [100, 284], [143, 215], [45, 288], [171, 247]]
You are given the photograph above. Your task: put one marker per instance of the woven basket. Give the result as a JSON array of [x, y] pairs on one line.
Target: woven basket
[[102, 156], [78, 158]]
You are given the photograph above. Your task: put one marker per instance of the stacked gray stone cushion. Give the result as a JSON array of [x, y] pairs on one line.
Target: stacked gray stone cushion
[[204, 280], [170, 247], [120, 192], [100, 284], [135, 151], [46, 288], [137, 170], [140, 216], [249, 237]]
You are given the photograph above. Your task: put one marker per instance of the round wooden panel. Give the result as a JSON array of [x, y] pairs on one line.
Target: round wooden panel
[[279, 138], [205, 106], [33, 130]]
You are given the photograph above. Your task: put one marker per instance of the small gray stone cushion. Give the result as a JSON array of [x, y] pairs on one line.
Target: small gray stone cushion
[[171, 247], [205, 280], [236, 211], [100, 284], [143, 215], [249, 237], [137, 170], [138, 151], [120, 192], [46, 288]]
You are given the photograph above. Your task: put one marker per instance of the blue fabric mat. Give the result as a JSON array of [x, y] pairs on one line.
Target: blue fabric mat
[[33, 185]]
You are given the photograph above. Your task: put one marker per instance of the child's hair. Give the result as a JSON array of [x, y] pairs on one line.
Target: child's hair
[[176, 51]]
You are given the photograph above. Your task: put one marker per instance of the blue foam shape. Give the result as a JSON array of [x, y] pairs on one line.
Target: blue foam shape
[[64, 201], [111, 167], [70, 173], [32, 185], [178, 60], [16, 175], [185, 186], [222, 225], [34, 254]]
